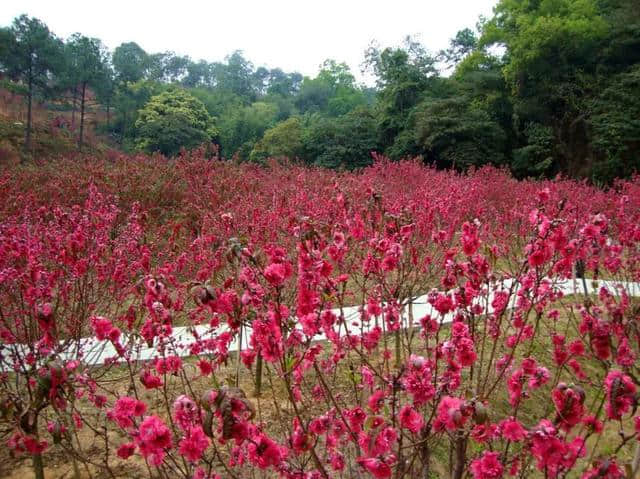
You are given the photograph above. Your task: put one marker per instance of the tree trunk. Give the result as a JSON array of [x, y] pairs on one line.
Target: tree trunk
[[460, 456], [258, 385], [84, 90], [27, 139], [73, 108], [38, 466]]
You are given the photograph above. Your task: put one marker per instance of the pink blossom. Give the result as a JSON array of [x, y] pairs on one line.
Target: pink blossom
[[488, 466], [193, 444]]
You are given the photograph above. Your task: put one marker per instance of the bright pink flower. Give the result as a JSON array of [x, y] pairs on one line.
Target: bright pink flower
[[101, 327], [593, 423], [126, 450], [483, 433], [450, 415], [410, 419], [125, 409], [205, 367], [469, 238], [264, 452], [185, 412], [150, 381], [443, 303], [488, 466], [153, 438], [512, 430], [277, 273], [376, 400], [377, 467], [193, 444], [569, 405], [607, 469]]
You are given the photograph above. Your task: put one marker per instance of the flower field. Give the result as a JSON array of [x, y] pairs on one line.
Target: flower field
[[393, 322]]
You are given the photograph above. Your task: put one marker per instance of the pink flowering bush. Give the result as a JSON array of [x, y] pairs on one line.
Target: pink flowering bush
[[283, 321]]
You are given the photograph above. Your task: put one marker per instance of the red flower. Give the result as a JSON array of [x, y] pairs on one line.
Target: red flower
[[513, 430], [410, 419], [569, 405], [450, 415], [377, 467], [193, 445], [126, 450], [487, 467], [153, 438], [277, 273]]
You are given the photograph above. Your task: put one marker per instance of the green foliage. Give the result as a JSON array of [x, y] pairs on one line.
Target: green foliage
[[173, 120], [462, 45], [543, 86], [241, 128], [455, 134], [130, 62], [282, 140], [31, 54], [536, 156], [403, 75], [346, 141], [616, 127], [86, 60], [129, 98]]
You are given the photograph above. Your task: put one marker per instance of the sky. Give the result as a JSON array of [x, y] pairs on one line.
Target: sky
[[293, 35]]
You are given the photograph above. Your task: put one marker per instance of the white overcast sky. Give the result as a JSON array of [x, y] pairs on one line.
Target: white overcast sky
[[293, 35]]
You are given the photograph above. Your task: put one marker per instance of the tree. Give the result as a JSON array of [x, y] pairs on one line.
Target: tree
[[551, 62], [106, 89], [34, 56], [87, 68], [402, 75], [346, 141], [456, 134], [128, 100], [333, 91], [615, 126], [283, 140], [236, 76], [130, 62], [240, 128], [173, 120], [460, 46]]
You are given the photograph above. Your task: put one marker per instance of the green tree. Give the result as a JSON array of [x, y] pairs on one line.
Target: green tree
[[402, 75], [454, 133], [463, 44], [130, 62], [552, 56], [346, 141], [173, 120], [105, 91], [86, 65], [236, 75], [128, 99], [282, 140], [34, 56], [240, 128], [333, 91], [615, 125]]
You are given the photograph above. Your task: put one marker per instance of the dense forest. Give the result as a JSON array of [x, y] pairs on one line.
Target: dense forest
[[542, 87]]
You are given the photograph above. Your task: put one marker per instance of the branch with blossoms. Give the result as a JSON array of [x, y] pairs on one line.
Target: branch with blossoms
[[357, 330]]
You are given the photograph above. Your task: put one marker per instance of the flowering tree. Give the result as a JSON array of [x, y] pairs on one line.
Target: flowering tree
[[327, 325]]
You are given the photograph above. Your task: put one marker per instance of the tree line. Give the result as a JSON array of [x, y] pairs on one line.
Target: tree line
[[542, 87]]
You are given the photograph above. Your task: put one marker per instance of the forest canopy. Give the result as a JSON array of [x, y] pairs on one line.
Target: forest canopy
[[542, 87]]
